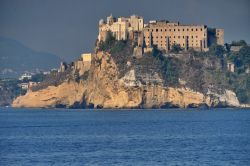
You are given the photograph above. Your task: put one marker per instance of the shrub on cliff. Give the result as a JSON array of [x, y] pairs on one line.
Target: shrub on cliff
[[239, 43], [108, 43], [168, 67], [217, 50], [176, 48]]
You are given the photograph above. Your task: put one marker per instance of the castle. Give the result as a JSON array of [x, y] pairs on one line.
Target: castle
[[162, 34]]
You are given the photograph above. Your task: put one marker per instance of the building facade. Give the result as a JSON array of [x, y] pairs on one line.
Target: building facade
[[121, 27], [164, 35]]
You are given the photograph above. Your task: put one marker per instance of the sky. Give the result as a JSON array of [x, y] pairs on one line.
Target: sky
[[68, 28]]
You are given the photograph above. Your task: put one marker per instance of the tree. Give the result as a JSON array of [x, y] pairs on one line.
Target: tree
[[217, 50], [239, 43], [244, 55], [176, 48], [108, 43]]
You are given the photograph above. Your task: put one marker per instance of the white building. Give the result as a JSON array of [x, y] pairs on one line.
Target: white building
[[25, 76]]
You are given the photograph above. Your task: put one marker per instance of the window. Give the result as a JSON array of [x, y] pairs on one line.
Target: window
[[148, 29], [201, 29], [196, 29], [183, 37], [196, 36], [178, 29], [174, 29], [187, 29], [178, 37], [192, 37], [174, 36], [192, 29], [183, 29], [165, 30], [156, 30], [170, 30]]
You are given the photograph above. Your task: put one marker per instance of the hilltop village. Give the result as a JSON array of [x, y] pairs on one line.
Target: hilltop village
[[162, 34], [159, 64]]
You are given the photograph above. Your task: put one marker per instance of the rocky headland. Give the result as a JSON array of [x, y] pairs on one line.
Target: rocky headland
[[117, 78]]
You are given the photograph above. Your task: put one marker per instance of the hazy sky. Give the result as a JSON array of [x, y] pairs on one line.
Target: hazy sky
[[69, 27]]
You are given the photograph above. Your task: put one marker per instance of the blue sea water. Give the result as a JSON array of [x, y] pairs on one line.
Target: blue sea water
[[124, 137]]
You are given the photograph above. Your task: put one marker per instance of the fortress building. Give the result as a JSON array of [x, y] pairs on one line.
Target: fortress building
[[162, 34]]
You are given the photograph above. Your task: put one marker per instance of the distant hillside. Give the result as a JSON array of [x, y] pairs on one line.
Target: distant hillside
[[15, 58]]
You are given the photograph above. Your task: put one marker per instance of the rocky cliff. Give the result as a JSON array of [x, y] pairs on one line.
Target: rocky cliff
[[123, 81]]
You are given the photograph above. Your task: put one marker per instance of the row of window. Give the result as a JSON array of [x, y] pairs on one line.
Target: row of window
[[174, 37], [161, 30], [162, 45], [191, 41]]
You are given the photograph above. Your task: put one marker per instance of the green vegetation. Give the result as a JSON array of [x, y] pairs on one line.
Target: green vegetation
[[9, 89], [38, 77], [217, 50], [176, 48], [167, 66], [239, 81], [239, 43], [240, 59], [111, 45]]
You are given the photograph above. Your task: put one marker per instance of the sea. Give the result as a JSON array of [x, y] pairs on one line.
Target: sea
[[44, 137]]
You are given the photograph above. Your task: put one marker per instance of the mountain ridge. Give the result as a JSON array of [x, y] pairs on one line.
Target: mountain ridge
[[16, 58]]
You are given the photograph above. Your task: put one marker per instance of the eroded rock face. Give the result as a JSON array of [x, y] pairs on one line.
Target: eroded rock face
[[104, 89], [65, 94]]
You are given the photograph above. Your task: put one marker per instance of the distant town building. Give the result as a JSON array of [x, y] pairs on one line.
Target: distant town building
[[162, 34], [46, 72], [25, 76], [24, 86]]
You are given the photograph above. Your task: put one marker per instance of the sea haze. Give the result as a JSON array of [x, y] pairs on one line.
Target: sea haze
[[124, 137]]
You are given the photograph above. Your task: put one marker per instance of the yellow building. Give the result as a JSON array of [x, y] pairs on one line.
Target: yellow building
[[86, 57], [164, 35]]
